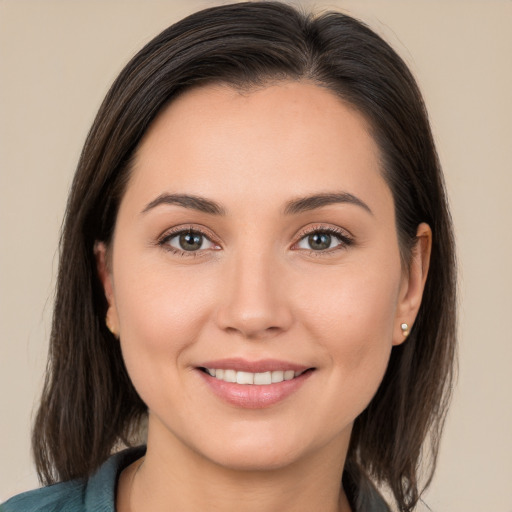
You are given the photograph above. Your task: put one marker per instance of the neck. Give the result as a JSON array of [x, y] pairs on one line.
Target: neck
[[174, 477]]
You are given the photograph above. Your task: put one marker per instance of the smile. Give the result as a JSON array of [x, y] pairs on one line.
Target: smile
[[253, 384], [256, 379]]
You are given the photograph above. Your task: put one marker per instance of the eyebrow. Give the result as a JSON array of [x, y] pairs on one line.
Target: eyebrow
[[187, 201], [300, 205], [315, 201]]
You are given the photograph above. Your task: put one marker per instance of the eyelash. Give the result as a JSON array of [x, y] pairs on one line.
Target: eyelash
[[343, 237], [164, 241]]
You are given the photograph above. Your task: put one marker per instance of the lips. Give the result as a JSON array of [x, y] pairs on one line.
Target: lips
[[255, 384]]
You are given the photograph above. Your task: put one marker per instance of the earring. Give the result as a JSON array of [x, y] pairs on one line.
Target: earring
[[405, 329]]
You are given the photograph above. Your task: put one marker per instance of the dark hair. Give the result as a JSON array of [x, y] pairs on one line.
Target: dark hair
[[89, 406]]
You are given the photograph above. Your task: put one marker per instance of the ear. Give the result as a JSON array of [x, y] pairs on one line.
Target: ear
[[413, 284], [105, 275]]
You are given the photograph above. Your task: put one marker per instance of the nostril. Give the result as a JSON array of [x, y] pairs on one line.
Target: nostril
[[254, 332]]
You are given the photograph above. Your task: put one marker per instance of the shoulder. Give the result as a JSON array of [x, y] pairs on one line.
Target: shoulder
[[67, 496], [96, 494]]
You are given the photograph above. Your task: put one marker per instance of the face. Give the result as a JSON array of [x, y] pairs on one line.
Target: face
[[256, 243]]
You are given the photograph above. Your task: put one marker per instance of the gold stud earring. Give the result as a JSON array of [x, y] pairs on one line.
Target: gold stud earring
[[405, 329]]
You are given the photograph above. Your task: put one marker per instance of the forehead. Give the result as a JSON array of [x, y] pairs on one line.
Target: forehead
[[270, 143]]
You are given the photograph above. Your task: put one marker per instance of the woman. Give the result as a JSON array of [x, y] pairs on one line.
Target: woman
[[258, 261]]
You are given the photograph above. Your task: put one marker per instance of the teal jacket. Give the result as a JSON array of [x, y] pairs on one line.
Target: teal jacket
[[97, 494]]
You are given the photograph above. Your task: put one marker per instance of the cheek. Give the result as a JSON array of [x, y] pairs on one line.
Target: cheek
[[156, 304], [160, 315], [352, 318], [353, 304]]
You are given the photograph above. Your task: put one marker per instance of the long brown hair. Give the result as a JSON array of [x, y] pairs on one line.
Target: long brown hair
[[88, 405]]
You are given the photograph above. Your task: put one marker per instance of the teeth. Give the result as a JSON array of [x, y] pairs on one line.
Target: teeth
[[244, 378], [229, 375], [277, 376], [263, 378], [258, 379]]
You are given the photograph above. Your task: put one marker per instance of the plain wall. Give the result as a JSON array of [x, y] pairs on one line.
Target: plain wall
[[57, 59]]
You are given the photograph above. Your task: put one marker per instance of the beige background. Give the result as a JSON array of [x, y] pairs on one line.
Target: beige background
[[57, 59]]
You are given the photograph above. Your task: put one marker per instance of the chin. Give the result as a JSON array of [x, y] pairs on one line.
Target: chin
[[255, 460], [260, 451]]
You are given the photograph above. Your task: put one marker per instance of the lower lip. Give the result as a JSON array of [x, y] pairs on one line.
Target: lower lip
[[250, 396]]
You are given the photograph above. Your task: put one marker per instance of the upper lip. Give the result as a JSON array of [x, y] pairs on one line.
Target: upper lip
[[260, 366]]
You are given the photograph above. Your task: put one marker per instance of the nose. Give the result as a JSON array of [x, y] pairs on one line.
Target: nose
[[254, 302]]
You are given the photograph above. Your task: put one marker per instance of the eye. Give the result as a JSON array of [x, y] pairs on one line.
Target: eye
[[187, 241], [324, 239]]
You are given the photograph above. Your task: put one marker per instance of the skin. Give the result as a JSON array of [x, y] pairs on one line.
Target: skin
[[256, 290]]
